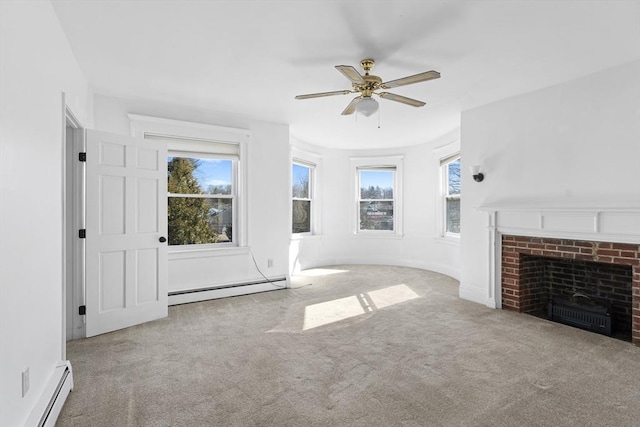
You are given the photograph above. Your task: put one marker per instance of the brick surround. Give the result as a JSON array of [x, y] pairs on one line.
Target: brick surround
[[522, 257]]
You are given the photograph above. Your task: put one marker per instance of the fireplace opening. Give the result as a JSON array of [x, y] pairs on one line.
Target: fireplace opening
[[589, 295], [588, 281]]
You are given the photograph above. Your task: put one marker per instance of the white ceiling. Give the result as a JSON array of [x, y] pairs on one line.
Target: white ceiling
[[253, 57]]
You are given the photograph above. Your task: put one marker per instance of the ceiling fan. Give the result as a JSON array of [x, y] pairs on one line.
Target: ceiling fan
[[368, 84]]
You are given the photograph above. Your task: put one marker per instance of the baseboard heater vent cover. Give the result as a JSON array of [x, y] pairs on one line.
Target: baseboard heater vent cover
[[229, 290], [279, 282], [46, 411]]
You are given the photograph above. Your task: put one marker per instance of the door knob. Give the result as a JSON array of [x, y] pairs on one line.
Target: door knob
[[162, 239]]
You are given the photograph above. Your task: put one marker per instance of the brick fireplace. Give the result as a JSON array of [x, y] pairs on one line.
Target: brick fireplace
[[533, 269]]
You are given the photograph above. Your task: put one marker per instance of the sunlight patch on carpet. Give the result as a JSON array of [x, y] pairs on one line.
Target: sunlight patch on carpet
[[324, 313], [392, 295]]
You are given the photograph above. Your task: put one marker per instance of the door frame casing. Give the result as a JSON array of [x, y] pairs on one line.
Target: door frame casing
[[72, 220]]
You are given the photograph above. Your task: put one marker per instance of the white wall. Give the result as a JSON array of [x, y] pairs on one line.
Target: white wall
[[267, 196], [420, 246], [36, 66], [573, 144]]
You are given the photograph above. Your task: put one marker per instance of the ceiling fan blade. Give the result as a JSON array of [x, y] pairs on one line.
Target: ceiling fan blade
[[351, 108], [402, 99], [321, 94], [351, 73], [428, 75]]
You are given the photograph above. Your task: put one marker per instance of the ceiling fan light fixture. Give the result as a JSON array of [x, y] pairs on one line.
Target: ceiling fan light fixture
[[367, 106], [367, 85]]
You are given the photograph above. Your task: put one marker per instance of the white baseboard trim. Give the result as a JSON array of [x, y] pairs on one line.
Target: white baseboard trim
[[435, 267], [230, 290], [48, 407], [474, 294]]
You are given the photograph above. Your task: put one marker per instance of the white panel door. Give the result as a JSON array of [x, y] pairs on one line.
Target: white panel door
[[126, 226]]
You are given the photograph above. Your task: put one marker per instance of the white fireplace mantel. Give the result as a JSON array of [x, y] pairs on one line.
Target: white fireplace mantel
[[618, 224], [608, 224]]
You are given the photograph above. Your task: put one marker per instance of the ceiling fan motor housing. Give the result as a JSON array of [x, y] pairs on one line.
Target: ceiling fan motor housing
[[371, 84]]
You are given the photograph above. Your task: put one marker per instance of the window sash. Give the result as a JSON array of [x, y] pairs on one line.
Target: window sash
[[377, 219], [376, 169], [301, 217], [309, 199], [449, 197], [218, 229], [310, 171], [230, 198], [362, 200], [448, 217], [446, 173]]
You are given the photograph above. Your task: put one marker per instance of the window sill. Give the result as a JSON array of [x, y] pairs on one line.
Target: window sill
[[208, 252], [375, 235], [305, 236]]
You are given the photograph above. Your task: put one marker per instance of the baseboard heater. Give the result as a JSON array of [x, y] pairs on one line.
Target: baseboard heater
[[228, 290], [46, 411], [275, 282]]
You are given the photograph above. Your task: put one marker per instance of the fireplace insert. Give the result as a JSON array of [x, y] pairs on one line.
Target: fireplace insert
[[582, 312]]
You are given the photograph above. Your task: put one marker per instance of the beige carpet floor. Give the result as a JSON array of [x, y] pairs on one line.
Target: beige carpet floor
[[353, 346]]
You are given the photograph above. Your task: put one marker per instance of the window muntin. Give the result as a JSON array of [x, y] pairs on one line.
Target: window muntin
[[451, 174], [376, 200], [301, 193], [201, 199]]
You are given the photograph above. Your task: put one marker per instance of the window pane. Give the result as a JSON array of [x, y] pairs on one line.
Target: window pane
[[301, 216], [300, 181], [195, 221], [376, 184], [453, 177], [453, 216], [192, 175], [221, 219], [376, 216]]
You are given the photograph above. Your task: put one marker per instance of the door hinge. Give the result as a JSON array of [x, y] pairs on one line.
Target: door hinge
[[82, 310], [82, 233], [82, 157]]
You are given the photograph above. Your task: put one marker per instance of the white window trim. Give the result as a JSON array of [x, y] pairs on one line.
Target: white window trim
[[441, 154], [314, 160], [357, 163], [200, 133]]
